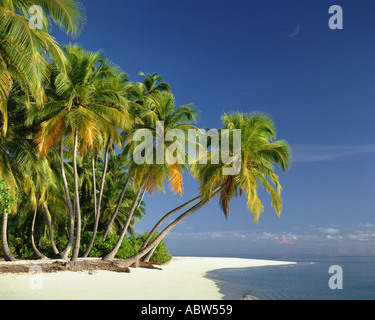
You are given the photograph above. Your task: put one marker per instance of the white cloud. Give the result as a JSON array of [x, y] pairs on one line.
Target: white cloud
[[329, 230], [366, 225], [214, 235], [288, 239], [362, 235], [330, 237], [269, 236], [240, 235], [311, 153]]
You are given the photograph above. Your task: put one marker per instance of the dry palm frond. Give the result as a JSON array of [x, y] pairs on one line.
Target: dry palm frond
[[176, 181], [51, 131]]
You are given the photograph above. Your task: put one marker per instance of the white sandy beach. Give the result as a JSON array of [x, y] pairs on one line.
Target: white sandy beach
[[181, 279]]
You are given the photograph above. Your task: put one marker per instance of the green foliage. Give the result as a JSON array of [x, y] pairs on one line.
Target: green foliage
[[129, 246], [21, 246], [7, 201]]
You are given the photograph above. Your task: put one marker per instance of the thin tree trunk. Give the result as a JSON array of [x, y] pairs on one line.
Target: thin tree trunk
[[140, 200], [95, 206], [49, 223], [37, 253], [135, 258], [8, 256], [65, 253], [170, 213], [103, 175], [148, 256], [98, 205], [112, 254], [76, 194], [94, 185], [117, 208], [151, 252]]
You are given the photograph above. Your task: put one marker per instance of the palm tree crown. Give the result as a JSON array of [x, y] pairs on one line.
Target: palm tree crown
[[259, 153], [23, 48]]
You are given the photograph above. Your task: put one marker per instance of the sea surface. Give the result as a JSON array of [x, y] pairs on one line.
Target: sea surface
[[306, 280]]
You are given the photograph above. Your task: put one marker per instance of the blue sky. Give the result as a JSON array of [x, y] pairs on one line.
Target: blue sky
[[317, 85]]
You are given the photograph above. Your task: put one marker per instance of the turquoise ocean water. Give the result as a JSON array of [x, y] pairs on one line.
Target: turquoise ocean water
[[307, 280]]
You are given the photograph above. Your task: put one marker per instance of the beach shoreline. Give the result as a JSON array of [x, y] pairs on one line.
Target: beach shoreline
[[183, 278]]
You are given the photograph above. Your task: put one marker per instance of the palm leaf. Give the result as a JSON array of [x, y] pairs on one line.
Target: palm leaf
[[176, 181], [69, 15], [50, 133]]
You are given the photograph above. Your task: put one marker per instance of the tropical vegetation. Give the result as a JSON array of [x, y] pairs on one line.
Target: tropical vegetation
[[70, 186]]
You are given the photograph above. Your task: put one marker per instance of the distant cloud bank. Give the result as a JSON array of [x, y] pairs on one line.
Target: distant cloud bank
[[359, 239]]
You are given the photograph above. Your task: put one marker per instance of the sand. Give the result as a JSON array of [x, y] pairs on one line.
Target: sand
[[181, 279]]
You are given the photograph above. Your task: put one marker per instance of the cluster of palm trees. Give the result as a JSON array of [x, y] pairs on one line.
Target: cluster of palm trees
[[68, 115]]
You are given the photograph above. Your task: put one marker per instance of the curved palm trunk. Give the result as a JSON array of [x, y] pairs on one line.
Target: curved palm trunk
[[117, 208], [97, 209], [112, 254], [170, 213], [76, 194], [8, 256], [148, 256], [135, 258], [65, 253], [37, 253], [49, 223]]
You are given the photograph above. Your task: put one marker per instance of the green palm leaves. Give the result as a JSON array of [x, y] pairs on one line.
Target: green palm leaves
[[259, 153], [85, 101], [24, 49]]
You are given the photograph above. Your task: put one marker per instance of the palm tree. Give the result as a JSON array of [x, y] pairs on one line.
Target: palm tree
[[81, 107], [160, 222], [17, 157], [119, 86], [7, 202], [259, 152], [40, 191], [140, 97], [159, 107], [22, 48], [152, 83], [110, 197]]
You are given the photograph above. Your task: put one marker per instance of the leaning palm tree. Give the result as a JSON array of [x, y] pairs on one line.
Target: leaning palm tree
[[23, 47], [81, 108], [259, 153], [110, 197], [159, 108]]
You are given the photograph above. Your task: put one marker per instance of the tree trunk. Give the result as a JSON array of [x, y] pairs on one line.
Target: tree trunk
[[76, 194], [8, 256], [135, 259], [37, 253], [112, 254], [151, 252], [65, 253], [170, 213], [117, 208], [95, 206], [94, 185], [148, 256], [48, 218], [97, 210]]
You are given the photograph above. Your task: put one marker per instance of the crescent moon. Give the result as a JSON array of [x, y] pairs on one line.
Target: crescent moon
[[295, 31]]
